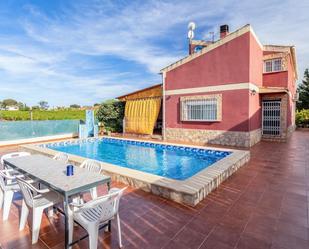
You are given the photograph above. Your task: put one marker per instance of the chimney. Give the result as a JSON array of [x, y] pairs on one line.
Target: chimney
[[224, 31]]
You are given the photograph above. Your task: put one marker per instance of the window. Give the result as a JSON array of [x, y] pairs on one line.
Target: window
[[268, 66], [273, 65], [277, 65], [201, 108]]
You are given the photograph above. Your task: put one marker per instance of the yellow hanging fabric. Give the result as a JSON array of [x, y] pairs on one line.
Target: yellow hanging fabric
[[141, 115]]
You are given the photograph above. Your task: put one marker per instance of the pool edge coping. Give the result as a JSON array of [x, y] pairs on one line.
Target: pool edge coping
[[42, 139], [189, 191]]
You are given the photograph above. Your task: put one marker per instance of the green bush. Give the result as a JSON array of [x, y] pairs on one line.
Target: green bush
[[302, 118], [111, 113]]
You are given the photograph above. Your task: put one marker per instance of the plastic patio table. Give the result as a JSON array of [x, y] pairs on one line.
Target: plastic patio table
[[52, 174]]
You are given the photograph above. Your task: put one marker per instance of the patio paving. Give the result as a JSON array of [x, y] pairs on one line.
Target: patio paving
[[263, 205]]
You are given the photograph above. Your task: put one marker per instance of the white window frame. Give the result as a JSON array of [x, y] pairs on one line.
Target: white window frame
[[273, 65], [212, 105]]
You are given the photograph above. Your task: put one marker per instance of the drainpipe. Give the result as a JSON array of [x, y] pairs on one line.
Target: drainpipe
[[163, 108]]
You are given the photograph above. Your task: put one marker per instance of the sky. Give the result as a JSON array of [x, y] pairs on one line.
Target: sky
[[87, 51]]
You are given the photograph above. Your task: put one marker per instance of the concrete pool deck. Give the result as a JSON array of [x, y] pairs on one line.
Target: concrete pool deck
[[190, 191]]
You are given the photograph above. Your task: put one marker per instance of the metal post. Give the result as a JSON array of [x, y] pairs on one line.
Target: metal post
[[123, 126], [66, 223]]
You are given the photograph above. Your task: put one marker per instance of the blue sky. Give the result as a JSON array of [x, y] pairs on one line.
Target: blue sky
[[87, 51]]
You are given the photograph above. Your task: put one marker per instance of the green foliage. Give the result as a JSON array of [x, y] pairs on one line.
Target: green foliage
[[35, 107], [111, 113], [43, 115], [9, 102], [75, 106], [303, 90], [302, 118], [43, 104]]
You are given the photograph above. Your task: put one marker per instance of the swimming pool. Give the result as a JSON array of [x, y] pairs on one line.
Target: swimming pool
[[171, 161]]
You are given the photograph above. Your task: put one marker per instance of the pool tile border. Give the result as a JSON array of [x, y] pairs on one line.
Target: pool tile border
[[190, 191]]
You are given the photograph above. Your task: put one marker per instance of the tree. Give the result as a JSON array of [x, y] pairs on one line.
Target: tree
[[75, 106], [303, 89], [9, 102], [43, 104], [35, 107], [111, 113]]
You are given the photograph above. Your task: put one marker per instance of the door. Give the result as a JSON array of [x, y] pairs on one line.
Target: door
[[271, 110]]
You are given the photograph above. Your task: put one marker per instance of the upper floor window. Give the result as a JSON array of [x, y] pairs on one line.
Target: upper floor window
[[201, 108], [273, 65]]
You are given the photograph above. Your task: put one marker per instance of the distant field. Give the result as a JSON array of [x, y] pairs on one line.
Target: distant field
[[43, 115]]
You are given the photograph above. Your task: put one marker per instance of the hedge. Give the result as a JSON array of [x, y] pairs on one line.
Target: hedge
[[302, 118]]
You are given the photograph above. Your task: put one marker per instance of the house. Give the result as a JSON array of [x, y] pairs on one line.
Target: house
[[12, 108], [234, 91]]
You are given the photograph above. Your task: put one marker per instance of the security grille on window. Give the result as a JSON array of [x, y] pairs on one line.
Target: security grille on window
[[274, 65], [200, 109]]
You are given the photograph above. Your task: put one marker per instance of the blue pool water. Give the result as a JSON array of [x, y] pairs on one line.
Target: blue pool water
[[174, 162]]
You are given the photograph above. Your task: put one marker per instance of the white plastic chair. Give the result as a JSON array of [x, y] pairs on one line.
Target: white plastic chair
[[8, 186], [13, 154], [37, 200], [95, 167], [63, 157], [95, 213]]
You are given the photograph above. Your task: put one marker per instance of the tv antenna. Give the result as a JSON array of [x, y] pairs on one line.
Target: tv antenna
[[212, 35]]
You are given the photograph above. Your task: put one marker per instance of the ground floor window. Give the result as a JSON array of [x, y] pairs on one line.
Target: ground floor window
[[201, 108]]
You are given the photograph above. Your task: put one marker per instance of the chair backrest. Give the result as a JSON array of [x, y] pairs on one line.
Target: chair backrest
[[27, 190], [13, 154], [63, 157], [91, 165], [101, 209]]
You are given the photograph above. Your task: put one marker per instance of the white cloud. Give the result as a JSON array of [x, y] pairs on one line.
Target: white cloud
[[93, 50]]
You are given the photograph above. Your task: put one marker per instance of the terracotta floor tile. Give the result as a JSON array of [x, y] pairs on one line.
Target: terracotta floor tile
[[289, 241], [213, 243], [175, 245], [249, 242], [225, 235], [190, 238], [285, 227]]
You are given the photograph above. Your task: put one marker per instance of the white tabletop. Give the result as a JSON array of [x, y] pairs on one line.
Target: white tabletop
[[52, 173]]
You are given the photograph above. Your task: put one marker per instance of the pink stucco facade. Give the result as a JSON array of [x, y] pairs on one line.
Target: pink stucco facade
[[226, 70], [238, 61]]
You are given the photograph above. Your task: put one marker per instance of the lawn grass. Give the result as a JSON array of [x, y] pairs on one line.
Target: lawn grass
[[43, 115]]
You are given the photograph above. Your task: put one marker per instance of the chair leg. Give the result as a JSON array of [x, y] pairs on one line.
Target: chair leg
[[23, 216], [1, 199], [8, 197], [36, 224], [93, 232], [119, 231], [93, 193]]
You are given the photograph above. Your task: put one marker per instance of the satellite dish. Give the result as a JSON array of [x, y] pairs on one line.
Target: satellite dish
[[190, 34], [198, 48], [191, 27]]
